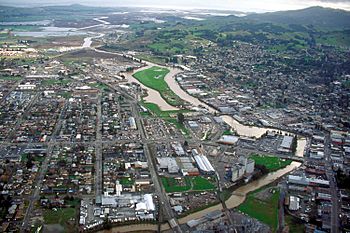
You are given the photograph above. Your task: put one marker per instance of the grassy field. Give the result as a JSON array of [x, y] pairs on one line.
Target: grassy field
[[154, 78], [200, 183], [155, 59], [271, 163], [196, 183], [227, 132], [172, 185], [49, 82], [265, 211], [11, 78], [295, 225], [126, 181], [61, 216], [101, 86], [65, 94]]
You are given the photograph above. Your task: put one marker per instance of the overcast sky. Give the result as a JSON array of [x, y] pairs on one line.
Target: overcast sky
[[239, 5]]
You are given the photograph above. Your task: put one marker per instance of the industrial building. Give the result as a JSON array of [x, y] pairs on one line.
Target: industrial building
[[186, 166], [305, 181], [203, 164], [179, 151], [228, 139], [244, 166], [286, 144], [169, 164]]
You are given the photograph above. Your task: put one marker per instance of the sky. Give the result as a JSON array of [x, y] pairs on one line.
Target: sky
[[237, 5]]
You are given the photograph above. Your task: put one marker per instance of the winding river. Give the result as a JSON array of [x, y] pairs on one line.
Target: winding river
[[239, 195]]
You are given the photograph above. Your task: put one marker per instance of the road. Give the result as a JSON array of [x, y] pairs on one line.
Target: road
[[39, 180], [23, 116], [167, 211], [333, 186], [98, 151]]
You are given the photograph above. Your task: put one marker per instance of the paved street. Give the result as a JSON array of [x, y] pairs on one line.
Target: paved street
[[333, 186]]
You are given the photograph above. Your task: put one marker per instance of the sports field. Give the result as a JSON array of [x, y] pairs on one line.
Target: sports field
[[270, 162], [263, 209]]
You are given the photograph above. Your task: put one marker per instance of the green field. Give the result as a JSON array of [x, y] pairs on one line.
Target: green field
[[65, 94], [227, 132], [295, 225], [196, 183], [61, 216], [265, 211], [154, 78], [172, 185], [49, 82], [271, 163], [11, 78], [155, 59], [126, 181], [98, 85], [200, 183]]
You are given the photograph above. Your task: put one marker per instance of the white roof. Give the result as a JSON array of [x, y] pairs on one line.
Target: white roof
[[287, 142], [228, 139], [203, 163]]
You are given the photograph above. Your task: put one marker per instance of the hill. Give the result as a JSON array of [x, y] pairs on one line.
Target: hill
[[323, 18]]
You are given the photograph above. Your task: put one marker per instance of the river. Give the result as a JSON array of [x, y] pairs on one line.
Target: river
[[239, 195], [88, 40], [153, 96]]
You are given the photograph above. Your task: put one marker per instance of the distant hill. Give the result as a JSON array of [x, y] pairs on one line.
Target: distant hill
[[8, 13], [326, 18]]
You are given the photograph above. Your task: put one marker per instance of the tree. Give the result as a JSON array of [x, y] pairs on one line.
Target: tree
[[29, 163], [180, 118], [186, 144]]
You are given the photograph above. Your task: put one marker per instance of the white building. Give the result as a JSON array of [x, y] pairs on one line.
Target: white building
[[237, 172], [228, 139], [132, 123], [118, 188], [204, 164], [26, 86], [286, 144], [294, 203]]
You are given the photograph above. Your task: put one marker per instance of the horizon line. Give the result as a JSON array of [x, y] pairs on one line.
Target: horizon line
[[163, 7]]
